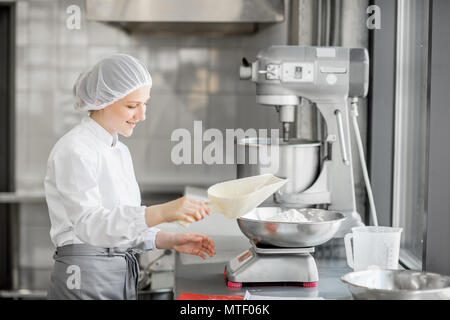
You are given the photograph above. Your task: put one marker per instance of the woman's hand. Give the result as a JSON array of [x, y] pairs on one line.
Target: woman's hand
[[195, 244], [190, 243], [185, 209]]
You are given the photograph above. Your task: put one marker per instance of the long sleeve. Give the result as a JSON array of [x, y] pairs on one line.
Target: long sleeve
[[76, 182], [146, 241]]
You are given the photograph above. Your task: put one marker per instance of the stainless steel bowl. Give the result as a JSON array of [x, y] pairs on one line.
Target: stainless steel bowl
[[296, 160], [322, 227], [382, 284]]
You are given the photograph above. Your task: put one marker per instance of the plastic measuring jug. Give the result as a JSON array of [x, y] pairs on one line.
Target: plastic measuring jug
[[373, 247]]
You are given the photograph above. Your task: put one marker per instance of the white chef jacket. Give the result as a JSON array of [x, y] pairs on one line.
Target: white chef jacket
[[92, 193]]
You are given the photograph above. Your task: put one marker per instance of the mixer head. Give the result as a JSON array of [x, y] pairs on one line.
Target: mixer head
[[320, 74]]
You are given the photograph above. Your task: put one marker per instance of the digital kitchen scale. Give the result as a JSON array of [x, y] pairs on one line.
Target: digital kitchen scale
[[269, 264]]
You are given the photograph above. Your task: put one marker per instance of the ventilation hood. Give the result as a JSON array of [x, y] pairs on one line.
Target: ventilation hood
[[213, 16]]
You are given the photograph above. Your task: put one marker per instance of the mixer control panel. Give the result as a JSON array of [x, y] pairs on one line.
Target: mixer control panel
[[297, 72]]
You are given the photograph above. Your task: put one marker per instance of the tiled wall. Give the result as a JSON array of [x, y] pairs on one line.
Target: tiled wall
[[194, 77]]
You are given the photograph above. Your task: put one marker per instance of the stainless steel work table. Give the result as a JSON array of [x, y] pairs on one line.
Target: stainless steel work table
[[193, 275]]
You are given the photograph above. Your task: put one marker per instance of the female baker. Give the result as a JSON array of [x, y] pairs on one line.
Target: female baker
[[94, 202]]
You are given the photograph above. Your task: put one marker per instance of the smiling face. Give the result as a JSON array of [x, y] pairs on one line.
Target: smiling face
[[123, 115]]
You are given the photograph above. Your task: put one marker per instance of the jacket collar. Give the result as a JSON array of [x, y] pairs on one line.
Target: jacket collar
[[100, 132]]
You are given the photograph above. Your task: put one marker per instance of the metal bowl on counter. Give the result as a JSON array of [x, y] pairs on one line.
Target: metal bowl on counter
[[380, 284], [322, 225]]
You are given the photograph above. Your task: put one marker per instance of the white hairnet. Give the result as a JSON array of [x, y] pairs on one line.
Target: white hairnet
[[109, 80]]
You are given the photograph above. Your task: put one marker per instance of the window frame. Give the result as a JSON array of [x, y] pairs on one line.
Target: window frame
[[436, 236]]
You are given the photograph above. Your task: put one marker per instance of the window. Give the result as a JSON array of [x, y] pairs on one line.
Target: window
[[410, 167]]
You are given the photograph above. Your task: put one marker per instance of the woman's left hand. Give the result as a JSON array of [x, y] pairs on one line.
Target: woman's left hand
[[193, 243]]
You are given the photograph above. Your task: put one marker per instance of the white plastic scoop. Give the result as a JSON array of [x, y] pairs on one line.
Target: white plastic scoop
[[235, 198]]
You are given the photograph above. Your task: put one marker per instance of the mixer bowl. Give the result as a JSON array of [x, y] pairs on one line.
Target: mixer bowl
[[380, 284], [296, 160], [323, 225]]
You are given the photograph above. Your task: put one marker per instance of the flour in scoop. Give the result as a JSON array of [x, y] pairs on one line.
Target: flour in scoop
[[291, 215]]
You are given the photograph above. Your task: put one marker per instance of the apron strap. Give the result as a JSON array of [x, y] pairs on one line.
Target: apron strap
[[132, 275]]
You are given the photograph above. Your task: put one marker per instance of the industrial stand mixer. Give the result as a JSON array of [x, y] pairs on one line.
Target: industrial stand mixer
[[326, 77]]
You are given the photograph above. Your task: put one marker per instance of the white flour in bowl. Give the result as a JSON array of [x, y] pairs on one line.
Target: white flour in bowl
[[291, 215]]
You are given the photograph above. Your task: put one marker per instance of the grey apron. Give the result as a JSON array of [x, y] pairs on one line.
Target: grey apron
[[82, 271]]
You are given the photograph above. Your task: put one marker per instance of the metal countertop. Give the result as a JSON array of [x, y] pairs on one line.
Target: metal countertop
[[194, 276], [37, 196]]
